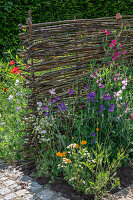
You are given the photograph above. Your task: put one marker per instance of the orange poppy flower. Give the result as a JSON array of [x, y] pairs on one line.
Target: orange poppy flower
[[72, 137], [68, 160], [58, 154], [97, 129], [76, 146], [83, 142]]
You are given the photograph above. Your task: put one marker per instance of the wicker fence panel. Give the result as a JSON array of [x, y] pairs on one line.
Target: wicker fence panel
[[57, 53]]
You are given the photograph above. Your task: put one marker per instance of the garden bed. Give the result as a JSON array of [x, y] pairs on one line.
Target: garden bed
[[125, 173]]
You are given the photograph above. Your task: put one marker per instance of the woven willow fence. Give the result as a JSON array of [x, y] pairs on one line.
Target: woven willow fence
[[58, 53]]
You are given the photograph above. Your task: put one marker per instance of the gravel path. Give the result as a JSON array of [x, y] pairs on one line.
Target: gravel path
[[14, 185]]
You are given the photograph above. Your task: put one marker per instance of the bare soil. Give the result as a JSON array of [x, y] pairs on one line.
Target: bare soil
[[125, 173]]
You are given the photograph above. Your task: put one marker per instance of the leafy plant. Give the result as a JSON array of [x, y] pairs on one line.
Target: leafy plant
[[91, 172]]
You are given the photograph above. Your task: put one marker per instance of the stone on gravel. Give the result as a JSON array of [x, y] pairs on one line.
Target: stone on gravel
[[10, 196], [45, 194], [4, 191], [9, 182]]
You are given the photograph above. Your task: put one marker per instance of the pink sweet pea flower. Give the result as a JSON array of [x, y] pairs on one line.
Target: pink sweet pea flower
[[52, 91], [128, 109], [107, 32], [111, 45], [113, 41], [132, 115]]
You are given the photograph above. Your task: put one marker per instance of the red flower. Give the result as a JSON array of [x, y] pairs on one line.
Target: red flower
[[18, 72], [12, 62], [14, 70], [23, 77], [4, 89]]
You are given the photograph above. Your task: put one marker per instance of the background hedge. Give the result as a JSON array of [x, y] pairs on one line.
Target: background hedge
[[13, 12]]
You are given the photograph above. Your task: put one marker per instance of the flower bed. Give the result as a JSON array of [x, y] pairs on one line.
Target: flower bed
[[84, 139]]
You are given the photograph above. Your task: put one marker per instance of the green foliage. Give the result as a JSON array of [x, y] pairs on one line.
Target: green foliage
[[91, 172], [89, 135], [12, 109], [14, 12]]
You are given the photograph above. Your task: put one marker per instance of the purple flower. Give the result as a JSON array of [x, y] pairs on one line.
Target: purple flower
[[86, 87], [46, 113], [92, 95], [44, 108], [70, 91], [1, 139], [17, 108], [106, 97], [94, 141], [57, 98], [88, 100], [111, 109], [112, 105], [52, 101], [102, 86], [102, 106], [62, 107], [93, 134], [100, 110]]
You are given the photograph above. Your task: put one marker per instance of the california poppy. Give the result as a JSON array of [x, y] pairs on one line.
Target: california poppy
[[83, 142]]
